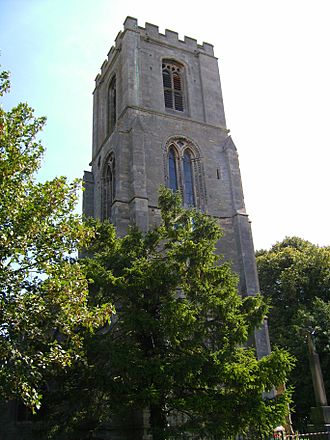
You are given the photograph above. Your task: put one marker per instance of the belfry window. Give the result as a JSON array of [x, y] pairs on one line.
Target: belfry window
[[112, 112], [109, 187], [173, 85]]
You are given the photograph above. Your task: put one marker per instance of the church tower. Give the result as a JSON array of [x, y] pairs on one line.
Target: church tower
[[158, 119]]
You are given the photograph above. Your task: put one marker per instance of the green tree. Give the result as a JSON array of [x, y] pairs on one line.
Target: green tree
[[178, 342], [295, 276], [43, 300]]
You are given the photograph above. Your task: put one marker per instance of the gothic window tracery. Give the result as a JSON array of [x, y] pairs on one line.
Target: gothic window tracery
[[173, 85], [109, 187], [184, 172]]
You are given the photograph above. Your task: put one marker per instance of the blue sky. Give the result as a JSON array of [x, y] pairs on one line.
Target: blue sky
[[275, 70]]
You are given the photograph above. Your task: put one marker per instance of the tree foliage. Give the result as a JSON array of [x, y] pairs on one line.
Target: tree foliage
[[177, 345], [43, 292], [295, 276]]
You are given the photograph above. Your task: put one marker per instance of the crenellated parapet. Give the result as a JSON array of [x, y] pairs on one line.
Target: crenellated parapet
[[151, 33], [172, 38]]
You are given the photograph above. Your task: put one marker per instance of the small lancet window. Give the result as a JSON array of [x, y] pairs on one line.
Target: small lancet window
[[109, 187], [172, 165], [172, 84], [112, 103], [188, 187]]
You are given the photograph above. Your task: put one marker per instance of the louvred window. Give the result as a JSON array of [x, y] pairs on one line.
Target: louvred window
[[172, 83]]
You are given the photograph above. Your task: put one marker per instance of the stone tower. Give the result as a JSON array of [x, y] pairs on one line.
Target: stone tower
[[158, 118]]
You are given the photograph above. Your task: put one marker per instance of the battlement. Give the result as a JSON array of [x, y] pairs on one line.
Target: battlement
[[151, 32]]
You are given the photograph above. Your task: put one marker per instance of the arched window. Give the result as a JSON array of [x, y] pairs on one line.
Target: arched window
[[188, 181], [112, 112], [109, 187], [173, 85], [184, 172], [172, 170]]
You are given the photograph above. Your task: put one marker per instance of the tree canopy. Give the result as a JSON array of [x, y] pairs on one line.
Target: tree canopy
[[43, 291], [177, 344], [295, 275]]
